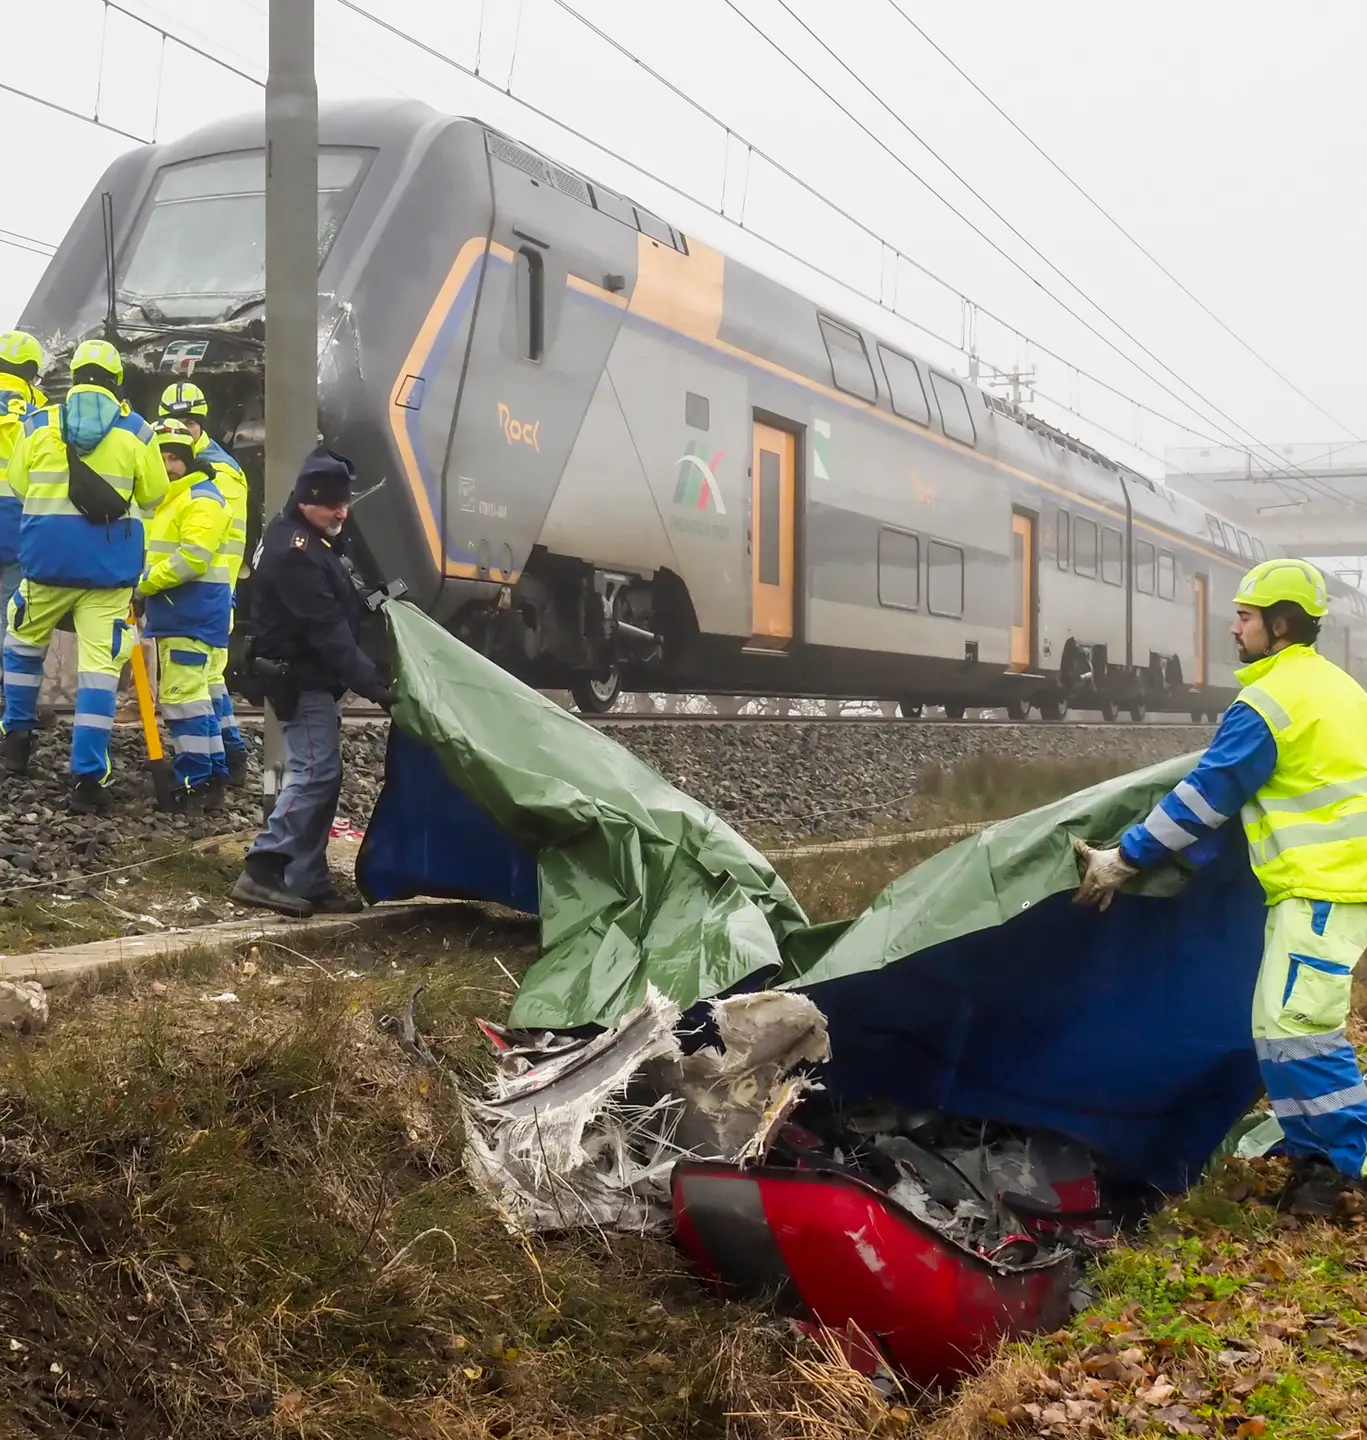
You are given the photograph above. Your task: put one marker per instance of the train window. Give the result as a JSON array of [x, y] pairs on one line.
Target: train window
[[1245, 545], [1084, 546], [944, 579], [899, 569], [201, 247], [697, 411], [850, 368], [954, 409], [1213, 525], [1062, 549], [655, 228], [905, 387], [531, 302], [1167, 576], [1143, 567], [1231, 544], [1112, 556]]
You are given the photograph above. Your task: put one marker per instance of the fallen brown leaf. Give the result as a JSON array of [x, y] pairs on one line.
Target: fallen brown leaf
[[1180, 1421], [1256, 1426]]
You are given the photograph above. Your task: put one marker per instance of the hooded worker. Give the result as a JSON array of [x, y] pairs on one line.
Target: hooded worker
[[86, 471], [188, 599], [21, 357], [188, 403], [1290, 758]]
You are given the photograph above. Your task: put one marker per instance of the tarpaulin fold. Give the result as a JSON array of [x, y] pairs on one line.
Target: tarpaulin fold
[[970, 985]]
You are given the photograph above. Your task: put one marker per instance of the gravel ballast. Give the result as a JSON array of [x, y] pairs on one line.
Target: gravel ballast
[[788, 779]]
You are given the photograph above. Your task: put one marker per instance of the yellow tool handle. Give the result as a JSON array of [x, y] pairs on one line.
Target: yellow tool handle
[[146, 707]]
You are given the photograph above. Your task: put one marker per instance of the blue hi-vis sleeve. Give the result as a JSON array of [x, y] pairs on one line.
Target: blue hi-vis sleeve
[[1237, 765]]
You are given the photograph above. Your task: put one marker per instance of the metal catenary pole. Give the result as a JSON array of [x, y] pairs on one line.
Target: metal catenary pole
[[291, 280]]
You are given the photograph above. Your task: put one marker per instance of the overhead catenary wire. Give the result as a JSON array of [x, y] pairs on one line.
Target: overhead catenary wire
[[31, 243], [1116, 224], [776, 245], [901, 161]]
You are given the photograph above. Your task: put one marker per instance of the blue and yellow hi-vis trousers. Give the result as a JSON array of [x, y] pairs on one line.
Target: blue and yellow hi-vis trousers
[[1300, 1011], [223, 708], [104, 641], [183, 668]]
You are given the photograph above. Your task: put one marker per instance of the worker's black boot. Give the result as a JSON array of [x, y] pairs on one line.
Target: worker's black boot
[[262, 882], [89, 797], [237, 768], [216, 795], [183, 801], [15, 748]]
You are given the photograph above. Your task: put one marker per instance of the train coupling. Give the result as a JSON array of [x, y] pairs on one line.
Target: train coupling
[[646, 646]]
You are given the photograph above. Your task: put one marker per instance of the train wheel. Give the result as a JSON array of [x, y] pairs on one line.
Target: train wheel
[[1017, 709], [908, 710], [1053, 709], [1109, 710], [955, 712], [1138, 712], [595, 694]]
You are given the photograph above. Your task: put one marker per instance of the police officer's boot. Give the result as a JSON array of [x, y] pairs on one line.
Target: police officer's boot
[[237, 767], [216, 795], [262, 882], [15, 747], [89, 797]]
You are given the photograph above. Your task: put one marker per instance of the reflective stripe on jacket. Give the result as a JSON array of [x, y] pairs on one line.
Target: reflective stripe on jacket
[[232, 485], [1307, 825], [57, 544], [188, 588]]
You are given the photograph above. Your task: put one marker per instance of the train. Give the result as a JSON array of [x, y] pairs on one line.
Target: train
[[613, 458]]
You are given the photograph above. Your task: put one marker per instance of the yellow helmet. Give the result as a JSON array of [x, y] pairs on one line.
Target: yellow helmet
[[174, 434], [182, 399], [100, 353], [1294, 580], [17, 349]]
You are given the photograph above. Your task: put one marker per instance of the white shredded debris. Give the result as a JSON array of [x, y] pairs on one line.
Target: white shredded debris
[[23, 1006]]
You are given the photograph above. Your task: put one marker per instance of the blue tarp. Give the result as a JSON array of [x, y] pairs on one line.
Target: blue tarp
[[972, 985]]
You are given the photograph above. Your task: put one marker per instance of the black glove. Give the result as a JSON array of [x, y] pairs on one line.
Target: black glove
[[139, 604], [383, 697]]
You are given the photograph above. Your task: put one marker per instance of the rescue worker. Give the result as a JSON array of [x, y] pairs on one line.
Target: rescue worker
[[1290, 756], [86, 471], [306, 625], [21, 357], [188, 403], [187, 596]]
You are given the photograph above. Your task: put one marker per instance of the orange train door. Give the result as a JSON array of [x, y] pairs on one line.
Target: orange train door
[[1022, 591], [1198, 584], [771, 530]]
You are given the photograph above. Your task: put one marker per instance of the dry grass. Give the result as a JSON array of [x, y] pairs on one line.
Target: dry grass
[[247, 1219]]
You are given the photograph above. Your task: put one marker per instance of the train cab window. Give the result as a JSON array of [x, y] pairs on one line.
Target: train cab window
[[697, 411], [1259, 550], [531, 302], [1062, 549], [1231, 542], [1213, 525], [1245, 545], [899, 569], [1112, 556], [904, 386], [1167, 576], [954, 409], [1084, 546], [850, 368], [944, 579], [1143, 567]]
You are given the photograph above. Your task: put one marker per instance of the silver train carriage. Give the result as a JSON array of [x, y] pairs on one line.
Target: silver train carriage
[[614, 458]]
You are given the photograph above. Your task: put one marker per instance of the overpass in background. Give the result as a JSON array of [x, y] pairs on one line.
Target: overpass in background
[[1310, 499]]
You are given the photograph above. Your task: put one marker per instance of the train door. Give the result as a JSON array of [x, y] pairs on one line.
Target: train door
[[1022, 590], [1198, 585], [772, 520]]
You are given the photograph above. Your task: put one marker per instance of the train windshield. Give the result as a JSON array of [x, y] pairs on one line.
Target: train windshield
[[201, 249]]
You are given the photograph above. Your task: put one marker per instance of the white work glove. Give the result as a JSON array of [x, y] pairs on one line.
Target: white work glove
[[1104, 873]]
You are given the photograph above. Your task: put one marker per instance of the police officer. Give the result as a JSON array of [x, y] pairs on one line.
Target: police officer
[[21, 357], [86, 471], [1290, 755], [188, 603], [188, 404], [306, 625]]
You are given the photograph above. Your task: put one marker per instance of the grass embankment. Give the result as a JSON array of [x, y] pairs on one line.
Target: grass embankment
[[246, 1217]]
